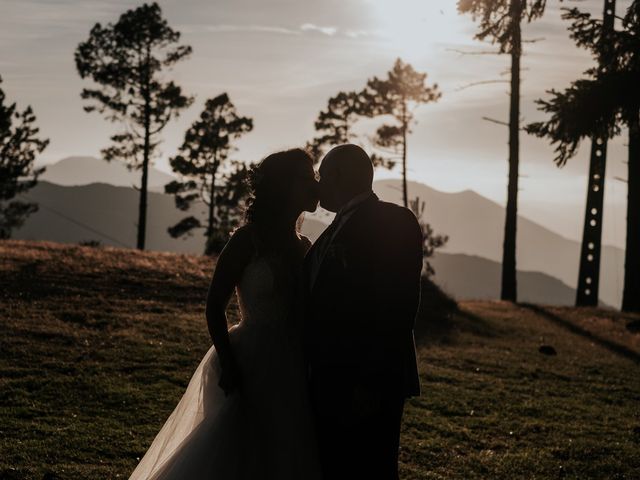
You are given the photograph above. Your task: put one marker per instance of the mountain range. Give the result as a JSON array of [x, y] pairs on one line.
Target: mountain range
[[467, 267], [475, 226], [73, 171]]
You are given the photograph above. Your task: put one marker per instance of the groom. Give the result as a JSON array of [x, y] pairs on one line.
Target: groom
[[363, 287]]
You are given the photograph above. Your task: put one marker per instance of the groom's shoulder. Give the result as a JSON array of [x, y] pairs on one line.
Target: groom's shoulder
[[396, 213], [396, 223]]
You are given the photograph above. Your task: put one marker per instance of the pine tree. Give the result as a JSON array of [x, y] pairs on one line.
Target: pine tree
[[127, 61], [203, 154], [430, 240], [335, 126], [398, 95], [19, 145], [231, 201], [602, 104], [501, 24]]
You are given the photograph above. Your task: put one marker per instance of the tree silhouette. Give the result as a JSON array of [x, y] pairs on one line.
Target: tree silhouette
[[601, 104], [430, 240], [501, 23], [19, 146], [231, 200], [398, 95], [205, 150], [335, 126], [126, 60]]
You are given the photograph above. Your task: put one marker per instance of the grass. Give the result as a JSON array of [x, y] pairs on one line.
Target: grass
[[97, 345]]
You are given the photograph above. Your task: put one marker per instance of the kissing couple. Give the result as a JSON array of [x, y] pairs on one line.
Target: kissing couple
[[311, 383]]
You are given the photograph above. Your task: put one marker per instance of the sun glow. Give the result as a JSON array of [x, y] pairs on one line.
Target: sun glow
[[416, 28]]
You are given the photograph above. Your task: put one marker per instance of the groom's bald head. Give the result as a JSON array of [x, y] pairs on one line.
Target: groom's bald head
[[346, 171]]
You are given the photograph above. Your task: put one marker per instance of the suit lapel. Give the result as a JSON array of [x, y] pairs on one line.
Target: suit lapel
[[308, 259], [336, 239]]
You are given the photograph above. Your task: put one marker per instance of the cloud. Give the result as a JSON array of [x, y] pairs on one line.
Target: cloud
[[239, 29], [310, 27], [362, 33], [304, 28]]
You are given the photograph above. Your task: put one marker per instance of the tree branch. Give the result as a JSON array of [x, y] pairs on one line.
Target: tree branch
[[482, 82]]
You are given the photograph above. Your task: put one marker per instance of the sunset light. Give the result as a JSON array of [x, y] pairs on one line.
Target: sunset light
[[416, 29], [319, 239]]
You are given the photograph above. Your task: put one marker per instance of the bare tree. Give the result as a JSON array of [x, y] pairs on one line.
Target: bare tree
[[500, 22]]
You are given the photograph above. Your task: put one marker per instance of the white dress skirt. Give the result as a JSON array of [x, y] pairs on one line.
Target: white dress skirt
[[263, 431]]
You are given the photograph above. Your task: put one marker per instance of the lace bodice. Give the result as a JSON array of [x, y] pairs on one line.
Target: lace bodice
[[264, 295]]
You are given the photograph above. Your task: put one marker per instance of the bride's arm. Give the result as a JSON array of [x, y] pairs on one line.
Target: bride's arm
[[229, 267]]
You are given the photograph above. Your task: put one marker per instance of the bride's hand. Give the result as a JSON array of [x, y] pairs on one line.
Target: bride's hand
[[230, 378]]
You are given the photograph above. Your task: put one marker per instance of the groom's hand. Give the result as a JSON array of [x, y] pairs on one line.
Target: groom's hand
[[230, 378]]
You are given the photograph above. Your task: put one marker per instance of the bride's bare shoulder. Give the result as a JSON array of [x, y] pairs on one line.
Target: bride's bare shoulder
[[242, 234], [241, 245]]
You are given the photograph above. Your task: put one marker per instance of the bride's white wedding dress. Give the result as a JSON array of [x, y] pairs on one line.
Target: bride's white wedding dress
[[265, 431]]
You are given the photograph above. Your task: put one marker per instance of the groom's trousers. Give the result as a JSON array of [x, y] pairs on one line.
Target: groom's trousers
[[358, 426]]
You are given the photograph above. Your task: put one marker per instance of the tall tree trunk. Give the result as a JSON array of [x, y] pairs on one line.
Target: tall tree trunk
[[405, 126], [509, 282], [631, 294], [142, 211], [588, 290]]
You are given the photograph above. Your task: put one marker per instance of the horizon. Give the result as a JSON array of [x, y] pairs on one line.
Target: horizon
[[321, 213]]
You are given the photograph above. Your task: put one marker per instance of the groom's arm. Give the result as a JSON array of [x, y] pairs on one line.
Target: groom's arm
[[399, 272]]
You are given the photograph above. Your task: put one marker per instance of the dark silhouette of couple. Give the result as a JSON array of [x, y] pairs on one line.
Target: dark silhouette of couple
[[312, 382]]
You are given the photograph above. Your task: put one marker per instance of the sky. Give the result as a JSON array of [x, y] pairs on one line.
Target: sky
[[281, 60]]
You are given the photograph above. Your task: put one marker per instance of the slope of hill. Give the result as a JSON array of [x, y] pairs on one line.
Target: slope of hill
[[98, 345], [109, 214], [475, 226], [105, 213], [86, 170], [469, 277], [473, 223]]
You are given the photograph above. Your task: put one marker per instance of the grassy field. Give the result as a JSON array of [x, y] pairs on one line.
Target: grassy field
[[97, 345]]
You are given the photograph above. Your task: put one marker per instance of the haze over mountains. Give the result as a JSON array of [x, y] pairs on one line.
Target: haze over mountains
[[72, 171], [475, 226], [468, 267]]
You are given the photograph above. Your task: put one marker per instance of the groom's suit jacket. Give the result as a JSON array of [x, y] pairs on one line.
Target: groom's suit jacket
[[362, 300]]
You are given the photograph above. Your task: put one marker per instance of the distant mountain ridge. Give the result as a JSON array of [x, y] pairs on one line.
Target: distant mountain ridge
[[475, 226], [105, 213], [468, 277], [473, 223], [74, 171], [108, 214]]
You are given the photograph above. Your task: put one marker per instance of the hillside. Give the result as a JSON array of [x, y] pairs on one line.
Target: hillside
[[98, 344], [469, 277], [108, 214]]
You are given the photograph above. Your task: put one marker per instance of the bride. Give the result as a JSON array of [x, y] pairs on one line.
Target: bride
[[245, 413]]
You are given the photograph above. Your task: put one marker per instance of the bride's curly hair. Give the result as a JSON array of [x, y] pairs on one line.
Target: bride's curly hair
[[269, 183]]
